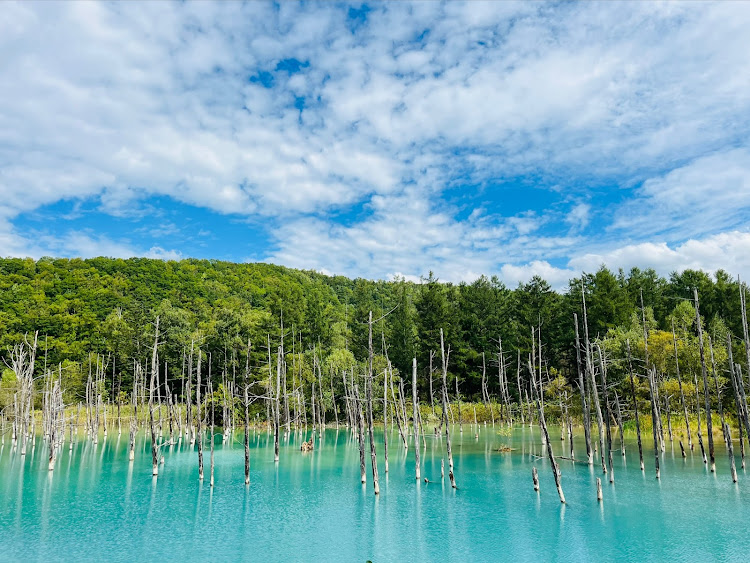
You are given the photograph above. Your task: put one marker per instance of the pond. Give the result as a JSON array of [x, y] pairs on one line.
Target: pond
[[312, 507]]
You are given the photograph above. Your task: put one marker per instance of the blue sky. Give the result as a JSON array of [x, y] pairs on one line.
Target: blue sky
[[380, 140]]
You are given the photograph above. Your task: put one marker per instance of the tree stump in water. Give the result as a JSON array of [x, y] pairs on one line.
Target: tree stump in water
[[307, 446]]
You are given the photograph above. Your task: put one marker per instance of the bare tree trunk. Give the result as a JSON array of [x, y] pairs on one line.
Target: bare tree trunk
[[698, 412], [189, 399], [739, 394], [653, 383], [416, 417], [704, 371], [432, 397], [154, 368], [543, 424], [370, 430], [397, 416], [518, 382], [504, 383], [198, 415], [385, 414], [333, 401], [247, 437], [730, 451], [211, 394], [635, 405], [654, 415], [619, 425], [277, 405], [445, 356], [605, 392], [743, 310], [724, 426], [599, 417], [682, 394], [585, 405], [360, 435]]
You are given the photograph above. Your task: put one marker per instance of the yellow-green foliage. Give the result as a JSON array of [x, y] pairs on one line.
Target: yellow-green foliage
[[7, 388]]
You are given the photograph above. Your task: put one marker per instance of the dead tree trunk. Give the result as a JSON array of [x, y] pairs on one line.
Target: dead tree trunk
[[460, 419], [724, 426], [543, 424], [599, 417], [682, 394], [445, 409], [635, 405], [730, 450], [698, 411], [198, 415], [432, 396], [619, 425], [704, 371], [189, 398], [154, 367], [211, 394], [247, 436], [397, 416], [739, 392], [370, 422], [385, 414], [746, 334], [415, 416], [585, 405], [277, 406], [654, 415], [605, 392], [360, 435]]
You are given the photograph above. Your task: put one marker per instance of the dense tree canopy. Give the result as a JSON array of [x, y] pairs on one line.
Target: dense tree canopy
[[107, 306]]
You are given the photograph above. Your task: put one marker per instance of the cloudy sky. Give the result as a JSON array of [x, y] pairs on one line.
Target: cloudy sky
[[380, 139]]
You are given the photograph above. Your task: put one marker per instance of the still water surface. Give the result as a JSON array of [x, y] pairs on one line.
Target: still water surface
[[311, 507]]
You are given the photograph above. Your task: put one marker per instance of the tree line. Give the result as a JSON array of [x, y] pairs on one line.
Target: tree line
[[101, 312]]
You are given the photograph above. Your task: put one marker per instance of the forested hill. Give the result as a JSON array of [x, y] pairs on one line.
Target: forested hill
[[108, 306]]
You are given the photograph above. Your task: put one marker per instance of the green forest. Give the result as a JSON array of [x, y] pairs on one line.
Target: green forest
[[102, 311]]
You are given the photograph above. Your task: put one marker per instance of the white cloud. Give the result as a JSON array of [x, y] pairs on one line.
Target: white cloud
[[729, 251], [557, 277], [162, 254], [78, 244], [121, 103], [410, 235], [578, 217], [709, 193]]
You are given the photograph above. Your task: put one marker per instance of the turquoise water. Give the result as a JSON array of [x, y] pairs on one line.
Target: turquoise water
[[312, 507]]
